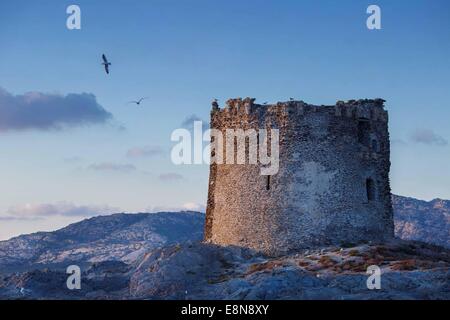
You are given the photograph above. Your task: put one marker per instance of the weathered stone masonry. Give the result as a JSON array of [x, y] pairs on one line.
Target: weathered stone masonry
[[332, 186]]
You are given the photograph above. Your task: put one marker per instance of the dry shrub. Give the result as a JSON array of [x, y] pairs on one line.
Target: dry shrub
[[412, 264], [404, 265], [303, 263], [354, 266], [220, 279], [376, 262], [353, 253], [327, 261], [267, 266], [348, 244], [337, 269]]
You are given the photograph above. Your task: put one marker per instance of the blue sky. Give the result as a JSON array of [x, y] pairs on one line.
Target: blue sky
[[181, 54]]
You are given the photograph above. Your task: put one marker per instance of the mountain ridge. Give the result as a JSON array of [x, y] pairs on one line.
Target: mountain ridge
[[119, 236], [427, 221], [126, 236], [161, 256]]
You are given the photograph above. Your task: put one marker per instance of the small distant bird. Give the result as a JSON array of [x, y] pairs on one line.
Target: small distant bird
[[265, 102], [106, 63], [292, 99], [138, 102]]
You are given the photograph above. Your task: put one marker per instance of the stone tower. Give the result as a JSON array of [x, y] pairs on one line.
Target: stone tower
[[332, 186]]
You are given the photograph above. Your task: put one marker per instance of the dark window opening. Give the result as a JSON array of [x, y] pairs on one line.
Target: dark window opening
[[247, 149], [375, 145], [213, 151], [370, 189], [257, 145], [364, 131], [268, 183]]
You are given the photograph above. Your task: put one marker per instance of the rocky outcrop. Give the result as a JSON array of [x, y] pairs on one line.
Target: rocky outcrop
[[159, 256], [202, 271], [121, 237], [427, 221]]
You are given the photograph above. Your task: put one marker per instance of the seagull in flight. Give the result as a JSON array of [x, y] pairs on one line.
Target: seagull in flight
[[106, 63], [138, 102]]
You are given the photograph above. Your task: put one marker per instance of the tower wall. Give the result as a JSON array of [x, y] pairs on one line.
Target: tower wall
[[332, 185]]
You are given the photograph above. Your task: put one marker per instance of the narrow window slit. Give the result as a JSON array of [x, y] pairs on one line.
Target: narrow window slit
[[364, 132], [374, 145], [370, 189]]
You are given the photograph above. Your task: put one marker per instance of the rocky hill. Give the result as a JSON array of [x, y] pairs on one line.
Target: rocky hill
[[160, 256], [202, 271], [427, 221], [119, 237]]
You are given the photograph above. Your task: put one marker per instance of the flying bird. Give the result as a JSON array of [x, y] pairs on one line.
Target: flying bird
[[138, 102], [106, 63]]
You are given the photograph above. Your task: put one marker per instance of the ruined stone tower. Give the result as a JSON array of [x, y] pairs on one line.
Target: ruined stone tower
[[332, 186]]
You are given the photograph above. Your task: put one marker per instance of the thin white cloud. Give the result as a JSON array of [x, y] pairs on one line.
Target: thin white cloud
[[189, 206], [398, 142], [109, 166], [12, 218], [146, 151], [73, 159], [429, 137], [66, 209], [171, 176], [192, 206], [188, 122]]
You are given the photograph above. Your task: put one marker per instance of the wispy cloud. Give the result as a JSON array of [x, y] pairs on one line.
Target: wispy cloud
[[42, 111], [146, 151], [73, 159], [398, 142], [67, 209], [192, 206], [171, 176], [188, 122], [189, 206], [12, 218], [427, 136], [109, 166]]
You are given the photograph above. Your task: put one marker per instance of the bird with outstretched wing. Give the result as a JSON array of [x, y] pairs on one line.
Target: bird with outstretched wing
[[106, 63], [138, 102]]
